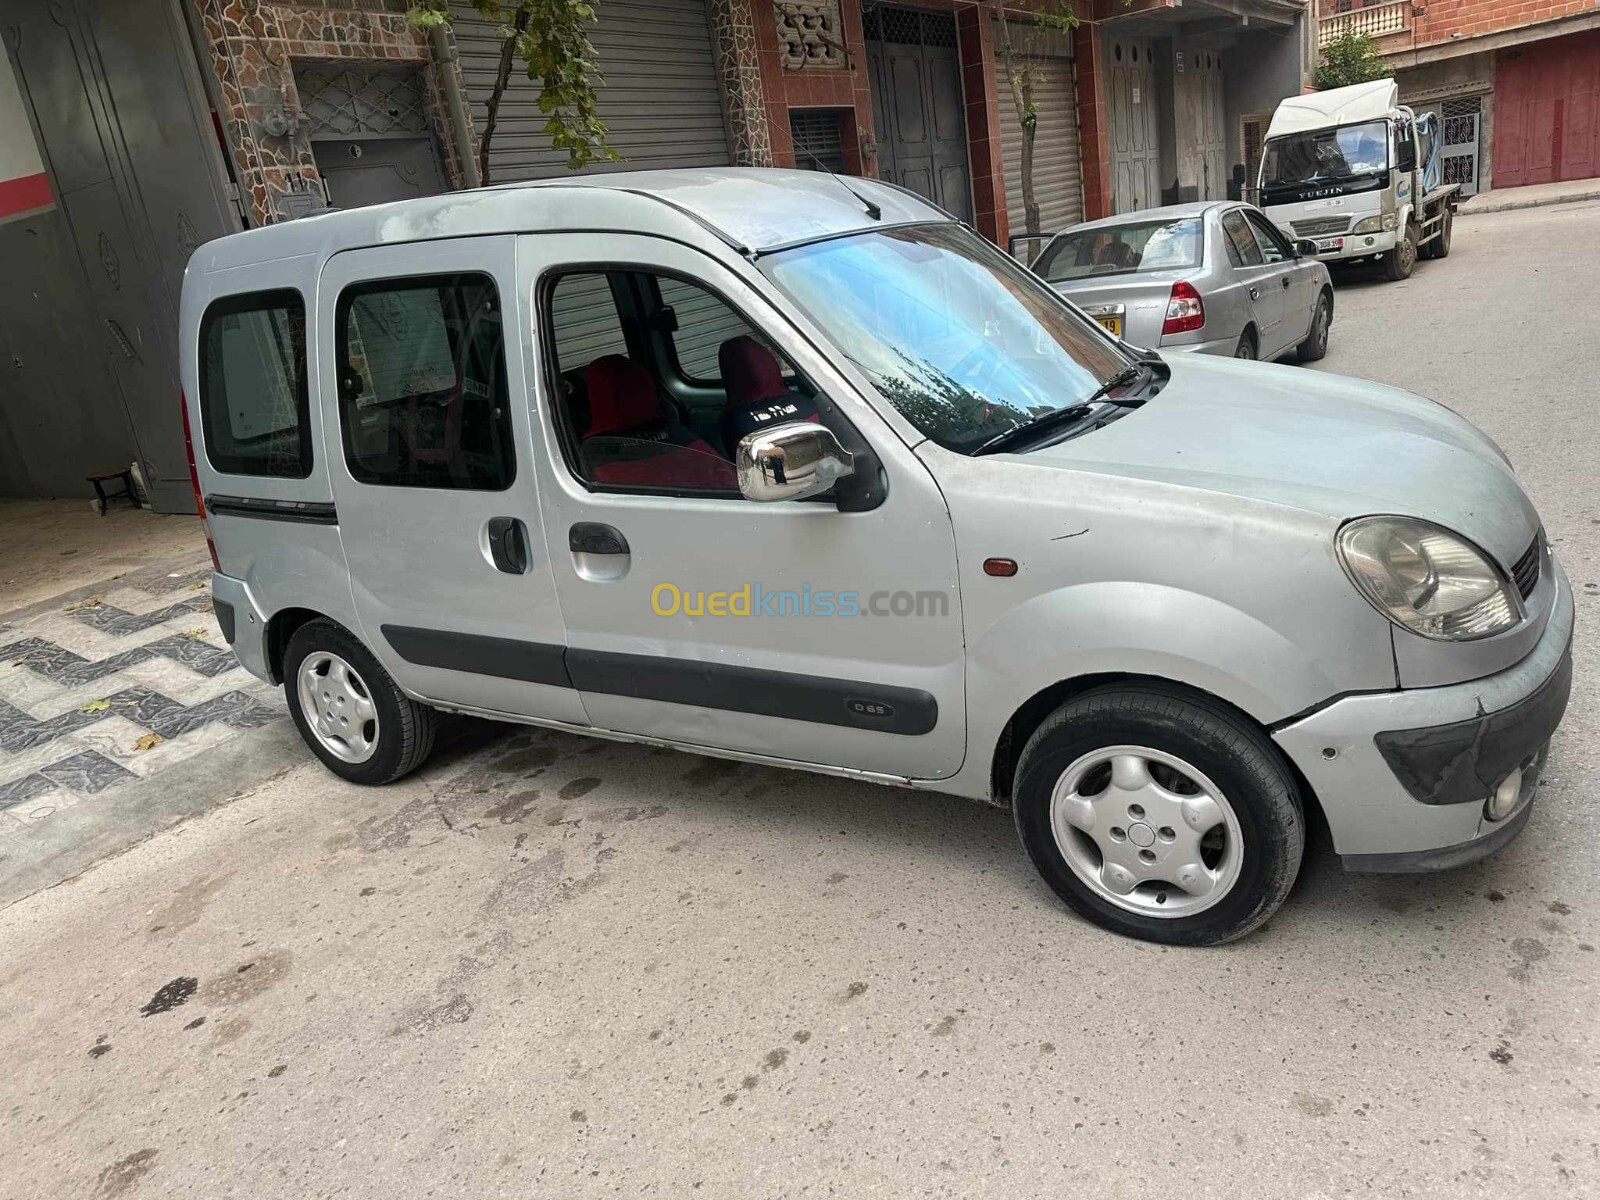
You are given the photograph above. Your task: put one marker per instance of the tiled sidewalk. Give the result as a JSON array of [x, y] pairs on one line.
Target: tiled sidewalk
[[114, 688]]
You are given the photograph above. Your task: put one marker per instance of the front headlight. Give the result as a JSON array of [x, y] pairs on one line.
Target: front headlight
[[1426, 579], [1375, 223]]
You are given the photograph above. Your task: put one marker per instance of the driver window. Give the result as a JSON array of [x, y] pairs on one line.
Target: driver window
[[1273, 247], [1241, 239], [624, 425]]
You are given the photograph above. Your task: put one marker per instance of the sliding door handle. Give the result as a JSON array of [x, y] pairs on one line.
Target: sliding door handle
[[508, 544]]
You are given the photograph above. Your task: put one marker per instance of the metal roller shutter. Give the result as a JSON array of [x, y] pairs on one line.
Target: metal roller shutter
[[1057, 177], [661, 97]]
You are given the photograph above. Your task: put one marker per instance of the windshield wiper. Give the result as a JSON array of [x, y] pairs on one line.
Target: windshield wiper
[[1063, 416], [1009, 437], [1127, 377]]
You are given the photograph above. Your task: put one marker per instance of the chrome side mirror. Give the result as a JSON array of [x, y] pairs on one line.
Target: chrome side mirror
[[1305, 248], [791, 462]]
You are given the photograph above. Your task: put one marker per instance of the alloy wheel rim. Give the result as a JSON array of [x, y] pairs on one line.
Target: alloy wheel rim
[[338, 707], [1146, 831]]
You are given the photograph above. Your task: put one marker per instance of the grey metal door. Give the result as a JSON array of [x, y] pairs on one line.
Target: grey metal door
[[136, 169], [916, 94], [358, 173], [369, 130], [1213, 128], [1461, 124], [1135, 142]]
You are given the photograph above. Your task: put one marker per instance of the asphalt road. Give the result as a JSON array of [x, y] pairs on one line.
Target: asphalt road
[[557, 967]]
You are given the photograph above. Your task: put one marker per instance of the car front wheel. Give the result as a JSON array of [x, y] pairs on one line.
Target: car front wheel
[[1160, 814], [349, 709], [1402, 260]]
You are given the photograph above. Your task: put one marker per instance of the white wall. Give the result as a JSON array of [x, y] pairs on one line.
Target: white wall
[[23, 187]]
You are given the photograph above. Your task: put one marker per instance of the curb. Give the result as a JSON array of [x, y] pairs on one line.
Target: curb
[[1466, 208]]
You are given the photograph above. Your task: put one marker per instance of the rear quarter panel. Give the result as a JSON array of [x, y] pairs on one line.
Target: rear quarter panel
[[285, 564]]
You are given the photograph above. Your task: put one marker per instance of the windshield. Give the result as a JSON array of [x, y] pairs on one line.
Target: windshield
[[960, 339], [1124, 250], [1325, 154]]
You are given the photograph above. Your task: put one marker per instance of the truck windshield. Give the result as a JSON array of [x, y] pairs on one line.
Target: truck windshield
[[1324, 155], [1122, 250], [960, 339]]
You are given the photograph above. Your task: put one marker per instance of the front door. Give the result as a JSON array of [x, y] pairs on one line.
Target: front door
[[427, 431], [1135, 140], [916, 92], [791, 630]]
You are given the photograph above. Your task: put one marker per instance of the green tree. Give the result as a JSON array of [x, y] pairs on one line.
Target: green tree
[[551, 39], [1020, 66], [1351, 58]]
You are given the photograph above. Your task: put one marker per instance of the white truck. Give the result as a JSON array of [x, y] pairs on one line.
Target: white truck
[[1357, 172]]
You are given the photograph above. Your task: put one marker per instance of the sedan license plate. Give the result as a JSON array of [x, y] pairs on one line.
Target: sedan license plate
[[1114, 324], [1326, 244]]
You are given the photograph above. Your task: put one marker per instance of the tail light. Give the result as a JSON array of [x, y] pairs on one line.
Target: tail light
[[1185, 310], [194, 481]]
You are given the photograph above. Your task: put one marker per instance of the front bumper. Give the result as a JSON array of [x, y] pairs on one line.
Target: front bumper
[[1403, 777], [1360, 245]]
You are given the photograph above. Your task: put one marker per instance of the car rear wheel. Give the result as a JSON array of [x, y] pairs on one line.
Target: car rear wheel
[[1160, 814], [1246, 347], [349, 709], [1402, 260], [1316, 343]]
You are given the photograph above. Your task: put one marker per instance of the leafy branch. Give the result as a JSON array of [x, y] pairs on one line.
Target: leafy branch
[[1023, 75], [551, 39]]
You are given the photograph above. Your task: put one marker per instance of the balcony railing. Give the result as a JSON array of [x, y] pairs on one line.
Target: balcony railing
[[1375, 20]]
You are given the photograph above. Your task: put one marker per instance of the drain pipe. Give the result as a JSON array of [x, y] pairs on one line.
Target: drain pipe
[[444, 55]]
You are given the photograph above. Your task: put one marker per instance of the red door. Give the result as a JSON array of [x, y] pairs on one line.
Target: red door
[[1547, 111]]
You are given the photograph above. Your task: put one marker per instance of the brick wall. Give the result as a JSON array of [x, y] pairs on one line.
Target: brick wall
[[252, 48], [1434, 21]]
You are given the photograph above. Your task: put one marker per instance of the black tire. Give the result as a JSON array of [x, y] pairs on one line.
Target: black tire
[[1316, 343], [1246, 348], [1440, 246], [404, 728], [1238, 757], [1402, 260]]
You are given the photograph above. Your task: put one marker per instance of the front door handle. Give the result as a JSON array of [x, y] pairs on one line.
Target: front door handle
[[600, 553], [589, 537], [1285, 281], [508, 544]]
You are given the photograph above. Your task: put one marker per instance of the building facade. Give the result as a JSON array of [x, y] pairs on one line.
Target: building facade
[[267, 110], [1516, 83]]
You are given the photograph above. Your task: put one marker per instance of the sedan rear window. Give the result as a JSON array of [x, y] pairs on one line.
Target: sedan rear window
[[1170, 245]]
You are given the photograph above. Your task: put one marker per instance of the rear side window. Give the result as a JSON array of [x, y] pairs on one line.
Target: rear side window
[[422, 383], [254, 411]]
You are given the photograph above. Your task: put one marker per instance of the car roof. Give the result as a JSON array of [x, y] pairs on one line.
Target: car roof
[[750, 209], [1170, 212]]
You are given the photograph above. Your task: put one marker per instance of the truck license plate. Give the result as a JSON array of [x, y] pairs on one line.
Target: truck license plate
[[1326, 244]]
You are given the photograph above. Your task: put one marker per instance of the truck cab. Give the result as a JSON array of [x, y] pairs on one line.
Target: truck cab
[[1356, 172]]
